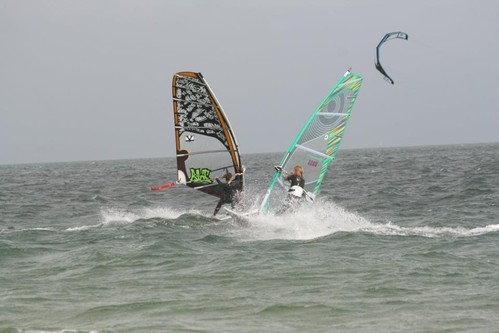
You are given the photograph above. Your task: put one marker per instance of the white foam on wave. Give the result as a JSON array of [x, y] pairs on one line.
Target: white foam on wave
[[84, 227], [117, 216], [326, 218], [308, 223], [431, 232], [12, 230]]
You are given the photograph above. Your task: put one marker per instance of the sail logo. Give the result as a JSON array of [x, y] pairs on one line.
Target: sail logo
[[200, 175], [313, 163]]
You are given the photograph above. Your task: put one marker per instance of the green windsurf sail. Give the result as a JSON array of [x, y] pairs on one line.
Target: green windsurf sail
[[315, 147]]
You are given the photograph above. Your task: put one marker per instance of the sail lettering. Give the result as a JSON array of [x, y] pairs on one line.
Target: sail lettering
[[200, 175]]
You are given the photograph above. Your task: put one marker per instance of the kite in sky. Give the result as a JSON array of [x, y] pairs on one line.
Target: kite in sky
[[388, 36]]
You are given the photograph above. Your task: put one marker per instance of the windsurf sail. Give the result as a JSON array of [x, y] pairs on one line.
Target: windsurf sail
[[387, 37], [205, 143], [315, 147]]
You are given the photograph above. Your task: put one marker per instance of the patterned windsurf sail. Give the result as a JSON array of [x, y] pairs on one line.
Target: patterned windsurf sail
[[317, 143], [205, 143]]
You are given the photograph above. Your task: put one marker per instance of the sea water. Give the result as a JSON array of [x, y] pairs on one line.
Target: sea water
[[400, 240]]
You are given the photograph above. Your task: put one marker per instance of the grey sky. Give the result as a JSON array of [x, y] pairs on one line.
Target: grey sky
[[90, 80]]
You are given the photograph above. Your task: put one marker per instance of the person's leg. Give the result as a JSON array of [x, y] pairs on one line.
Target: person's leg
[[217, 208]]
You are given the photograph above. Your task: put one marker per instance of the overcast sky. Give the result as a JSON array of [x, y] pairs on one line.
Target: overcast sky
[[91, 79]]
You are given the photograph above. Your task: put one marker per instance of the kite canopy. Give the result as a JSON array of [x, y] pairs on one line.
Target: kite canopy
[[388, 36]]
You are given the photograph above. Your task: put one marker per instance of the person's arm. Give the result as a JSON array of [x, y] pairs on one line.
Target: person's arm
[[285, 175], [234, 177]]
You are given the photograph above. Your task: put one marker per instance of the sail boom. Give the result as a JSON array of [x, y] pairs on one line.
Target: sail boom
[[315, 152], [204, 186]]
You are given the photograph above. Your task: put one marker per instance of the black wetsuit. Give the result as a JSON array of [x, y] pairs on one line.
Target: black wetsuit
[[229, 193], [295, 180]]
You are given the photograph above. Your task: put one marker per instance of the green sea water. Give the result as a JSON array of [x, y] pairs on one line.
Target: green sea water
[[401, 240]]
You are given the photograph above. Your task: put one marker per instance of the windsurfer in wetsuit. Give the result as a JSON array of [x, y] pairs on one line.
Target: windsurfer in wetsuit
[[230, 190], [296, 187]]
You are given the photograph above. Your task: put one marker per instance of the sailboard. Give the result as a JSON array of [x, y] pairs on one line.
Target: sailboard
[[316, 145], [243, 218], [206, 147]]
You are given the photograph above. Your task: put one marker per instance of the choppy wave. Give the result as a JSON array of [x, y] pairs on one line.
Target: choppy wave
[[92, 236], [324, 219]]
